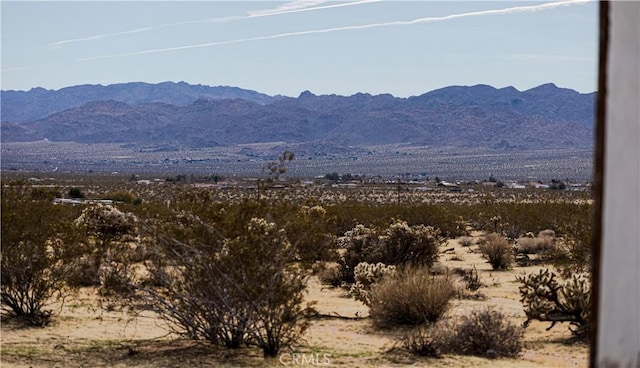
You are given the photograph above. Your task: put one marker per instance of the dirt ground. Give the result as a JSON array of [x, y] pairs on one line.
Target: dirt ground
[[86, 336]]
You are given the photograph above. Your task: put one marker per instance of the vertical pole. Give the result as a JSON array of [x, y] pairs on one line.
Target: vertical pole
[[598, 175]]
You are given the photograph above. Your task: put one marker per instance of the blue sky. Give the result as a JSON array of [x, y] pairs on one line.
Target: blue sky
[[404, 48]]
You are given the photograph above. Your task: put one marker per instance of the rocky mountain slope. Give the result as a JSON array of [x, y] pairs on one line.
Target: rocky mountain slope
[[477, 116]]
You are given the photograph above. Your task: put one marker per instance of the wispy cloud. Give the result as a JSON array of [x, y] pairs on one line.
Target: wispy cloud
[[292, 7], [504, 11]]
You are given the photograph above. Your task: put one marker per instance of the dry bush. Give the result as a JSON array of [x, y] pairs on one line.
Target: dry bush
[[427, 340], [330, 275], [410, 297], [486, 333], [470, 277], [466, 241], [497, 250], [537, 245]]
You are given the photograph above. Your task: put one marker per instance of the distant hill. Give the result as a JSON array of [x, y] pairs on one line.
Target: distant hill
[[477, 116], [37, 103]]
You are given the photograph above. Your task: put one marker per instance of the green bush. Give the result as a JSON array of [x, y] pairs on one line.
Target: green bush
[[76, 193], [410, 297], [38, 245], [497, 250], [242, 291]]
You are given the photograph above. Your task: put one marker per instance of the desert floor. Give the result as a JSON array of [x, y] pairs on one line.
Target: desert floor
[[86, 336]]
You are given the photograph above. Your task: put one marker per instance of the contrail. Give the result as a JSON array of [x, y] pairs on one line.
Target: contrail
[[101, 36], [294, 7], [512, 10]]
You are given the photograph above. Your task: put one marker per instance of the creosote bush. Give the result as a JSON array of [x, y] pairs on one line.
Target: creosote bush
[[411, 296], [242, 291], [497, 250], [426, 340], [486, 333], [37, 246]]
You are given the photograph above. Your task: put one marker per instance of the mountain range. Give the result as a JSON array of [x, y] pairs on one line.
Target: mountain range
[[184, 115]]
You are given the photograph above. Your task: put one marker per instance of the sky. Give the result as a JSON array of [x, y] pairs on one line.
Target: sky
[[405, 48]]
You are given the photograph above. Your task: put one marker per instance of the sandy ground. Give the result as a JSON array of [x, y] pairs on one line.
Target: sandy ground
[[86, 336]]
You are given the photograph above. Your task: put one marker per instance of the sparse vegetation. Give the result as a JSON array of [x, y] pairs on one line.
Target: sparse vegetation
[[412, 296], [497, 250], [183, 240]]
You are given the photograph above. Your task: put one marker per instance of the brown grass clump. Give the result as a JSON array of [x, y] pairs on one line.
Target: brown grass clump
[[486, 333], [497, 250], [537, 245], [410, 297], [330, 275]]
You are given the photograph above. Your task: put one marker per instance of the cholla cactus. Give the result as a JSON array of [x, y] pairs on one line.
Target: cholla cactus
[[546, 299], [358, 234], [109, 233], [367, 274], [397, 244], [106, 221]]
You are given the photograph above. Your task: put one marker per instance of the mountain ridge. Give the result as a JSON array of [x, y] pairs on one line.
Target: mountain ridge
[[466, 116]]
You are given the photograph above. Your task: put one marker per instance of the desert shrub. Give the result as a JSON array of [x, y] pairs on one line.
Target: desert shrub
[[410, 297], [497, 250], [245, 290], [45, 194], [309, 229], [37, 245], [397, 244], [546, 299], [76, 193], [108, 233], [536, 245], [466, 241], [366, 275], [572, 253], [123, 196], [428, 340], [486, 333], [330, 275], [470, 277]]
